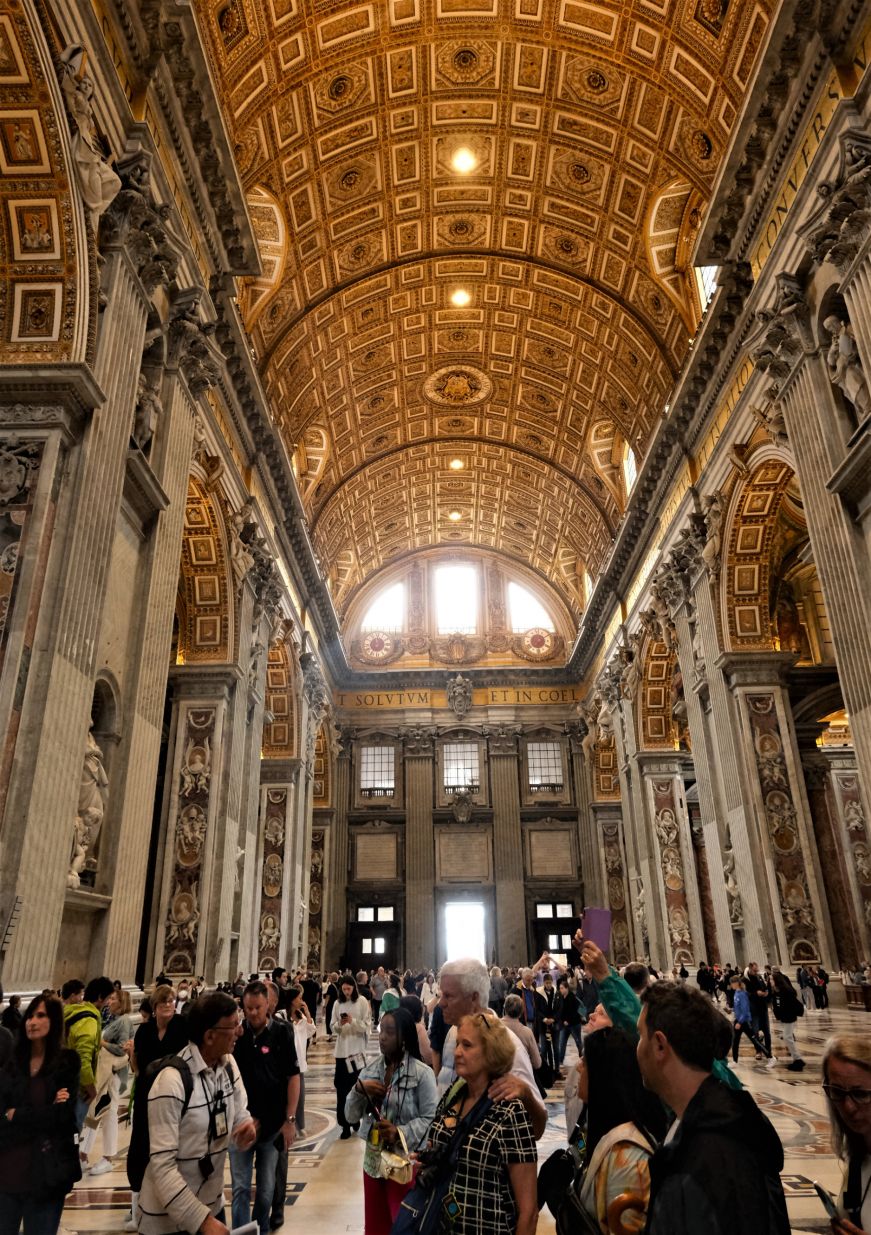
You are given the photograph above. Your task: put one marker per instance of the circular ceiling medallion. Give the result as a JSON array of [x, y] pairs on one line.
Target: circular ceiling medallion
[[457, 386], [537, 642]]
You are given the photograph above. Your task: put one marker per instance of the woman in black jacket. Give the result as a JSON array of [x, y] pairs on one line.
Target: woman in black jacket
[[39, 1160]]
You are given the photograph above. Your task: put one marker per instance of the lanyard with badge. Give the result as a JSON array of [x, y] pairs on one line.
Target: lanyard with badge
[[218, 1125]]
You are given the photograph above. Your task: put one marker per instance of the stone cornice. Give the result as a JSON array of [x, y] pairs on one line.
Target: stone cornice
[[164, 47], [808, 36], [756, 668]]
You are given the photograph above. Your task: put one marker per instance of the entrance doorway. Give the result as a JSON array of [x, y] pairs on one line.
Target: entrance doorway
[[464, 930]]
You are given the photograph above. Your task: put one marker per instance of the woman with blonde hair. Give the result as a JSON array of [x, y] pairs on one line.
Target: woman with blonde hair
[[488, 1146], [847, 1086]]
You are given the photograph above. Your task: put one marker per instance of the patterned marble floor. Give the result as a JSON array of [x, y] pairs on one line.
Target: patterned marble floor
[[324, 1190]]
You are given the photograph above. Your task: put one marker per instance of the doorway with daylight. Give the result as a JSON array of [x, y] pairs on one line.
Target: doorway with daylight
[[465, 933]]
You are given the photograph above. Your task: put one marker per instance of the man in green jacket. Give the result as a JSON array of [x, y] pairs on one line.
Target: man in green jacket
[[83, 1024]]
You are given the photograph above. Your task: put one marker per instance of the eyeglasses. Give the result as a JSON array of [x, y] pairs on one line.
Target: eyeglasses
[[225, 1028], [861, 1097], [488, 1019]]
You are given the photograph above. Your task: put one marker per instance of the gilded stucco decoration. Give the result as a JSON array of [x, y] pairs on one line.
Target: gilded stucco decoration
[[279, 734], [43, 291], [656, 724], [746, 579], [590, 136], [205, 597]]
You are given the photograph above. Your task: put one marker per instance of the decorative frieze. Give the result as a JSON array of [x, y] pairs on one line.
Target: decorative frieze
[[666, 825]]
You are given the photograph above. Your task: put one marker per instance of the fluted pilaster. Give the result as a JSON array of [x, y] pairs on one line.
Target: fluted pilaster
[[507, 851], [420, 941]]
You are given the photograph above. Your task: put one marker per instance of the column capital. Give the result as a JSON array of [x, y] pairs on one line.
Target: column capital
[[419, 742], [279, 771], [41, 398], [663, 762], [206, 682], [758, 668]]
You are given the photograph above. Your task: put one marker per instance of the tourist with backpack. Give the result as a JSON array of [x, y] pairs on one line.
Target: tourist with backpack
[[196, 1106]]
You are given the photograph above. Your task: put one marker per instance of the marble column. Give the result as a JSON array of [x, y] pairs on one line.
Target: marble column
[[645, 906], [830, 776], [510, 930], [336, 875], [123, 861], [703, 879], [44, 779], [612, 859], [278, 781], [840, 551], [712, 841], [675, 888], [788, 867], [591, 868], [420, 873]]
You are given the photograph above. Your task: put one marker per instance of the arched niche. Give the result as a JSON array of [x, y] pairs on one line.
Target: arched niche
[[206, 608], [280, 736]]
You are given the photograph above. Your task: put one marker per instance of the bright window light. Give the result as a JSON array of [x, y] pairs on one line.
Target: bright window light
[[464, 930], [630, 468], [706, 281], [588, 586], [526, 610], [387, 611], [456, 595]]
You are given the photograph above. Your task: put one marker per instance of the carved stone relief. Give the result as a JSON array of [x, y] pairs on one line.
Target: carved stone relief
[[190, 812], [612, 845], [782, 824], [315, 900], [19, 468], [666, 824], [272, 893]]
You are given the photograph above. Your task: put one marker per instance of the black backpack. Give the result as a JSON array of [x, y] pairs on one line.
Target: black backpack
[[139, 1153]]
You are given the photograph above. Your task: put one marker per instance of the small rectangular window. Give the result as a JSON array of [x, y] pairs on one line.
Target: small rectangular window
[[365, 914], [567, 941], [460, 760], [543, 911], [545, 767], [456, 597], [553, 941], [385, 913], [376, 771], [379, 947], [565, 911], [366, 946]]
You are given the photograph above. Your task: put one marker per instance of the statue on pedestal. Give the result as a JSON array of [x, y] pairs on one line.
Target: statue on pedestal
[[93, 791]]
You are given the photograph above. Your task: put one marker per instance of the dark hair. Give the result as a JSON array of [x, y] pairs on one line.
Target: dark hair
[[348, 979], [637, 975], [99, 988], [145, 1007], [256, 989], [294, 992], [406, 1031], [393, 982], [686, 1018], [53, 1042], [277, 972], [71, 987], [206, 1012], [413, 1006], [616, 1091]]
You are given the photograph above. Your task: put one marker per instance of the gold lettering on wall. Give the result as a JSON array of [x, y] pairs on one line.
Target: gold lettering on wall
[[547, 696]]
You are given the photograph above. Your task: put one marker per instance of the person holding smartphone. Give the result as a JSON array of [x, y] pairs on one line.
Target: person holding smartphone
[[350, 1024], [847, 1086]]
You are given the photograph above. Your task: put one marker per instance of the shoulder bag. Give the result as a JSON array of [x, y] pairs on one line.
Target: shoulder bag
[[420, 1212]]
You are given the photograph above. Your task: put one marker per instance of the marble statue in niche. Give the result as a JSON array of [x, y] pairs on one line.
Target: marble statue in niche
[[845, 365], [98, 182], [93, 792]]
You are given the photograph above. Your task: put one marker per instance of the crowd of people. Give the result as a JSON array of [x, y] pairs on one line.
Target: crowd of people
[[662, 1136]]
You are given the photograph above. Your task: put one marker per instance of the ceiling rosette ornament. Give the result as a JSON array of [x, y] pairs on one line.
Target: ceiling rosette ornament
[[457, 386]]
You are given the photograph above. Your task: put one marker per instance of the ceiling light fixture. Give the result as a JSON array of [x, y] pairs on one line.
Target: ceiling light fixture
[[460, 298], [463, 160], [457, 465], [455, 516]]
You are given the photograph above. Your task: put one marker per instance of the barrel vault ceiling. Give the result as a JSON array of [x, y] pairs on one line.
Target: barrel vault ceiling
[[593, 134]]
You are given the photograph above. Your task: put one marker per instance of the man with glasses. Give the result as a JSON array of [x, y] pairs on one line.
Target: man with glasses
[[183, 1187], [718, 1171]]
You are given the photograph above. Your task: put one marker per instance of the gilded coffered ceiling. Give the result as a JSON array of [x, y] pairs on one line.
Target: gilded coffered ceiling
[[551, 159]]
